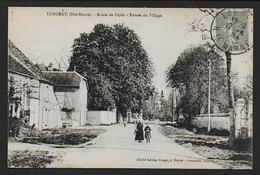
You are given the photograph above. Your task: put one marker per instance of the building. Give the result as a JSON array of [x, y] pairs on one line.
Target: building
[[30, 94], [23, 86], [70, 89], [50, 111]]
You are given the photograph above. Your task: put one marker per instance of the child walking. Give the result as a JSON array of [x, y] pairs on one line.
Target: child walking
[[148, 135]]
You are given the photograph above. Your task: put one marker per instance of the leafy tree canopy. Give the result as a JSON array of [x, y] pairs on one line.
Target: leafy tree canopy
[[190, 75], [116, 66], [244, 90]]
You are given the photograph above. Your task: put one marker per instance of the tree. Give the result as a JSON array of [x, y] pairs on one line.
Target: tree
[[244, 90], [166, 109], [190, 75], [18, 91], [116, 66]]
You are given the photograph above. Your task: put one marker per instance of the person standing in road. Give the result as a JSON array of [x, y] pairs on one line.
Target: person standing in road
[[148, 135], [124, 122], [139, 133]]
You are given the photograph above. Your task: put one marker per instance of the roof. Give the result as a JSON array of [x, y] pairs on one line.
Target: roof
[[19, 63], [42, 67], [64, 79], [17, 67], [15, 53]]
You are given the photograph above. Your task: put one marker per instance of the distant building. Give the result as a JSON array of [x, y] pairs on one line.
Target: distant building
[[70, 89]]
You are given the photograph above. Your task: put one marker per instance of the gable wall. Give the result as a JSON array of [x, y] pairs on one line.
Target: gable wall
[[50, 112]]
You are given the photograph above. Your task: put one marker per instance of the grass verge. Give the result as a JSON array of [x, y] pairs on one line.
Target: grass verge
[[214, 148], [64, 136]]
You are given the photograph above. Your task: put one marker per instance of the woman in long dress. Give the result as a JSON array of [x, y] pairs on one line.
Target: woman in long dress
[[139, 133]]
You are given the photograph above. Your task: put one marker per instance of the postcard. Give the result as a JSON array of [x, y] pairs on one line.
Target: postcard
[[153, 88]]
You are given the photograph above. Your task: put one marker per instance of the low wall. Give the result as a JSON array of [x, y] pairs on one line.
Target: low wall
[[219, 122], [101, 117]]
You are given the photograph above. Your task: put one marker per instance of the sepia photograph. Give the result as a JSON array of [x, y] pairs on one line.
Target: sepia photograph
[[133, 88]]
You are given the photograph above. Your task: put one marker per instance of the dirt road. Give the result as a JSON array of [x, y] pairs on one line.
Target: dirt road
[[116, 148]]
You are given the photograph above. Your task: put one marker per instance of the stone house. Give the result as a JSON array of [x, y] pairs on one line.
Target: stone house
[[31, 95], [70, 90]]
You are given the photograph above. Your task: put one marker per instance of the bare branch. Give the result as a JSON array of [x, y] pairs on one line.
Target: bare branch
[[64, 64], [57, 62], [197, 25], [208, 11]]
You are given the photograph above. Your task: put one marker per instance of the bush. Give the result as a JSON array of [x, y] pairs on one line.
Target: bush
[[30, 159], [14, 126], [244, 144], [71, 139], [213, 131], [29, 132], [63, 136], [74, 139]]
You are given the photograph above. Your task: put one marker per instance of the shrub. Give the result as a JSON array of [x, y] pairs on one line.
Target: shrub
[[14, 126], [30, 159]]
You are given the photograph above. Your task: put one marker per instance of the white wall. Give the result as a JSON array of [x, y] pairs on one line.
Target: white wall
[[216, 122], [30, 102], [77, 100], [34, 112], [243, 119], [101, 117], [250, 119], [49, 112], [82, 102]]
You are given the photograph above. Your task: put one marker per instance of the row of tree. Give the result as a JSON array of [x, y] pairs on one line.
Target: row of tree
[[190, 76]]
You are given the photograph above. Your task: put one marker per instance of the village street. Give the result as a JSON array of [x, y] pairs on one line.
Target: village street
[[116, 148], [75, 74]]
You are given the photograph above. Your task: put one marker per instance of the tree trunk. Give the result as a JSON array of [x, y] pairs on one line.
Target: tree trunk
[[230, 100], [229, 81]]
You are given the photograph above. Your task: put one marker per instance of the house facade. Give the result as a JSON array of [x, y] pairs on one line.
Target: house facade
[[23, 85], [50, 111], [70, 90], [28, 90]]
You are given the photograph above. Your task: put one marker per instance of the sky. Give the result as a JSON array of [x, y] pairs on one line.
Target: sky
[[45, 37]]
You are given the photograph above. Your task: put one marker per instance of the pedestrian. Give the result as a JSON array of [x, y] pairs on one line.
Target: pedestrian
[[139, 133], [124, 123], [148, 134]]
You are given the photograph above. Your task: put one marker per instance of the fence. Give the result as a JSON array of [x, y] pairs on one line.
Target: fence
[[101, 117]]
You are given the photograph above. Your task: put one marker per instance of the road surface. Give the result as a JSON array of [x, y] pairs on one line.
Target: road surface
[[116, 148]]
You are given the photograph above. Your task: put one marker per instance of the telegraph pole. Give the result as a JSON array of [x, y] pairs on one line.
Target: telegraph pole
[[209, 95], [172, 106]]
